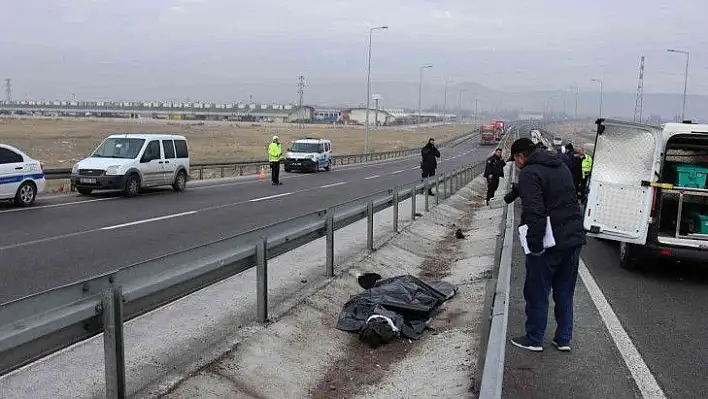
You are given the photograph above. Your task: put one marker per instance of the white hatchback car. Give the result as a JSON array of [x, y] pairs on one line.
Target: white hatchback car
[[21, 177]]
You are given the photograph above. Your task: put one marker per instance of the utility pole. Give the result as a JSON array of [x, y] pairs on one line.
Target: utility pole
[[301, 93], [368, 90], [639, 102], [444, 116], [8, 90], [685, 81]]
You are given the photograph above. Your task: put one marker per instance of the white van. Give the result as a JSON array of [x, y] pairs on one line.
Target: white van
[[309, 155], [131, 162], [648, 190]]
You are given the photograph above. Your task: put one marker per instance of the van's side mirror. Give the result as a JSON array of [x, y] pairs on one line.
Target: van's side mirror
[[288, 148], [147, 157]]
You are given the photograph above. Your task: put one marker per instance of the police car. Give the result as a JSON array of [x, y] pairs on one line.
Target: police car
[[309, 154], [21, 177]]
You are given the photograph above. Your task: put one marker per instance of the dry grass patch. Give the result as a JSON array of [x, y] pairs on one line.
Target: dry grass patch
[[59, 143]]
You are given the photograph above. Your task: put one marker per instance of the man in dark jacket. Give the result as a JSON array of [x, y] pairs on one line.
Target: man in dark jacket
[[493, 171], [547, 190], [429, 163], [571, 160]]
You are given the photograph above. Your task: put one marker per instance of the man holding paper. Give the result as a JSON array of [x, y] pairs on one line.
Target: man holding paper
[[552, 236]]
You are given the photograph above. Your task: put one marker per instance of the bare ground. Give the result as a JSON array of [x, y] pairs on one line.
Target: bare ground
[[59, 143], [361, 367]]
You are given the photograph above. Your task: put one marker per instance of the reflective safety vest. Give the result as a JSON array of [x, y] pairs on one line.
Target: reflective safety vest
[[587, 165], [274, 152]]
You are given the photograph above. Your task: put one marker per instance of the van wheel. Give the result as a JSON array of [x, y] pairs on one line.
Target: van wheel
[[26, 194], [329, 166], [84, 191], [629, 257], [132, 186], [180, 183]]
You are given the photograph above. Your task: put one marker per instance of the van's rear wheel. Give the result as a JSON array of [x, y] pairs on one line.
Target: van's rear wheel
[[84, 191], [180, 183], [629, 257]]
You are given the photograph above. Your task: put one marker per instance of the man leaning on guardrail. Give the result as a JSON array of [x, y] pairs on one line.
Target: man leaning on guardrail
[[549, 202], [275, 152]]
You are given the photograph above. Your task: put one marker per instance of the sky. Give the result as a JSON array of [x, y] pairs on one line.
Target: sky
[[158, 49]]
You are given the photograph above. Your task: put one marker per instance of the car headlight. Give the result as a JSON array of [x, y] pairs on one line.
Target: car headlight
[[112, 170], [75, 169], [314, 157]]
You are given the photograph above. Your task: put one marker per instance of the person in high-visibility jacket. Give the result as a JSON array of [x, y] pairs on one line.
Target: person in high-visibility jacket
[[586, 167], [275, 153]]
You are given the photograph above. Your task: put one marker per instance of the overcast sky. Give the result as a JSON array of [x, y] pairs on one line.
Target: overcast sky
[[141, 48]]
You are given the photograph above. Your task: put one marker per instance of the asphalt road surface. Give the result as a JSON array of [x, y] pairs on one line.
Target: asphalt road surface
[[664, 312], [65, 239]]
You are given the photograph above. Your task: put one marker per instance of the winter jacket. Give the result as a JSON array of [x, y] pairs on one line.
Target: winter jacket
[[429, 154], [495, 167], [274, 152], [546, 189]]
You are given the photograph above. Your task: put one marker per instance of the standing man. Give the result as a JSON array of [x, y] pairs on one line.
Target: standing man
[[275, 152], [429, 163], [493, 171], [547, 191], [585, 168]]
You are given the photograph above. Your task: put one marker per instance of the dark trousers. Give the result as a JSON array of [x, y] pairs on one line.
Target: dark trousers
[[492, 186], [428, 173], [275, 172], [555, 269]]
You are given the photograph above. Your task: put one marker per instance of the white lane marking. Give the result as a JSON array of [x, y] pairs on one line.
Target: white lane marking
[[269, 197], [57, 205], [397, 172], [333, 184], [416, 168], [372, 177], [176, 215], [640, 371]]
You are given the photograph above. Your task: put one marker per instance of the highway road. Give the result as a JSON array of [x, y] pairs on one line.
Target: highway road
[[65, 239], [663, 310]]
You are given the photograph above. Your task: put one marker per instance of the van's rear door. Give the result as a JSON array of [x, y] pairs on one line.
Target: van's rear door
[[619, 205]]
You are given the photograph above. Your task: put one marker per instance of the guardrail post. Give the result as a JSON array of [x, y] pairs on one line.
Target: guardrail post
[[370, 225], [222, 171], [437, 190], [395, 209], [262, 279], [330, 242], [201, 173], [114, 354], [426, 187], [413, 206]]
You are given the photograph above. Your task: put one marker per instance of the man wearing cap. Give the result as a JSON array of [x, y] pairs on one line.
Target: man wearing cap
[[275, 152], [493, 171], [547, 190]]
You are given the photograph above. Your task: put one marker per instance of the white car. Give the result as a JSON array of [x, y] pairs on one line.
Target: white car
[[21, 177], [309, 154], [557, 141], [131, 162]]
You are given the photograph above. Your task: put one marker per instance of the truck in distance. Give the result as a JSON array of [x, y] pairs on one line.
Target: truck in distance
[[487, 135]]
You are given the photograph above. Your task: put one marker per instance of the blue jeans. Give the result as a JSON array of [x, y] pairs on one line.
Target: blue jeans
[[556, 269]]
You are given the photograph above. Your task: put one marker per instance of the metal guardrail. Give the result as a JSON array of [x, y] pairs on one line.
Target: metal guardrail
[[496, 307], [40, 324], [242, 168]]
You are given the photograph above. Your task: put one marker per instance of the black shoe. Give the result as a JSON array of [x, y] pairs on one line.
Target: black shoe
[[524, 342], [487, 202], [561, 347], [280, 183]]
